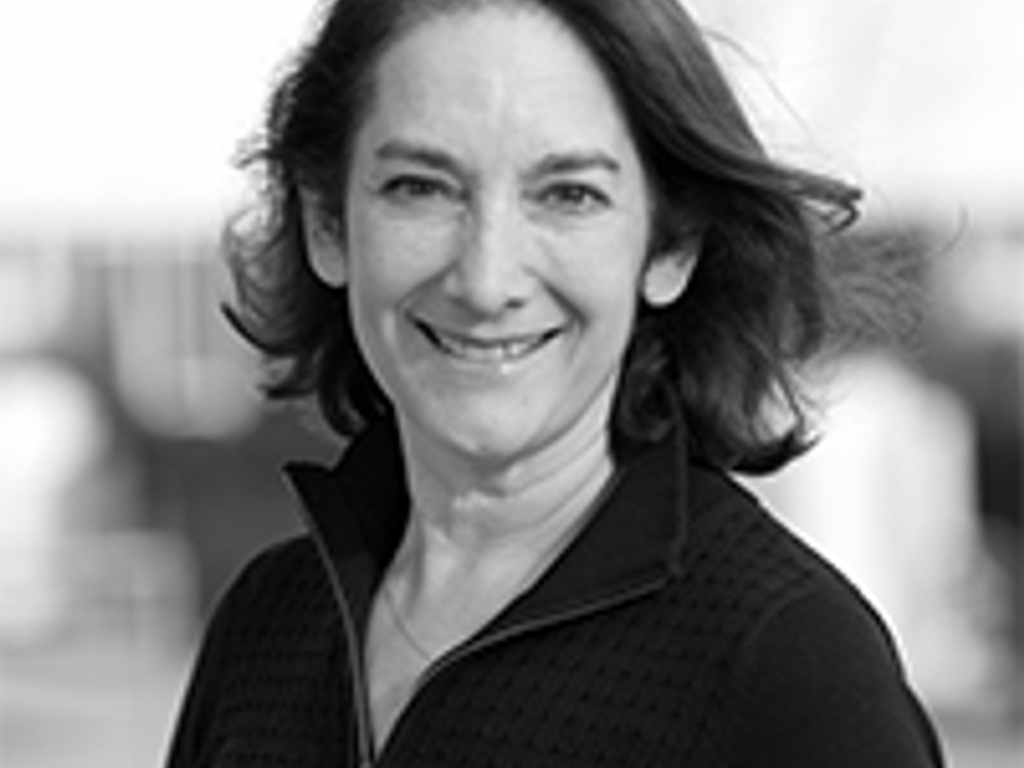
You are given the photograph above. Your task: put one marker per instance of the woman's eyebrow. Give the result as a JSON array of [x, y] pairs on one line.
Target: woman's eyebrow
[[420, 154], [576, 162]]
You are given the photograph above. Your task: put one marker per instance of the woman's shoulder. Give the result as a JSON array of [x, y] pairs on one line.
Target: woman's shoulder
[[812, 665], [268, 642], [751, 548], [273, 569], [279, 590], [740, 555]]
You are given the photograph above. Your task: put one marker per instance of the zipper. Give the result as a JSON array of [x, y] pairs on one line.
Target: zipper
[[364, 729], [367, 756]]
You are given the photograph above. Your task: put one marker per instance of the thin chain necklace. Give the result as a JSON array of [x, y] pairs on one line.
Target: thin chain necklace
[[404, 629], [524, 582]]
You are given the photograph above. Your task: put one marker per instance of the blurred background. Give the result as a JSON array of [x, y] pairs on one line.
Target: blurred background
[[138, 467]]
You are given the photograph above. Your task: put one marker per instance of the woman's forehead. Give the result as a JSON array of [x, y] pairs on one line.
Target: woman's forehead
[[495, 75]]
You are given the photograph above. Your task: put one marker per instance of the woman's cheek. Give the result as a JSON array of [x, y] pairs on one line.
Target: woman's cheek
[[398, 257]]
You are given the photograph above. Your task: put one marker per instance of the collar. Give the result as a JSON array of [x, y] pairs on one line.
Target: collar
[[357, 511]]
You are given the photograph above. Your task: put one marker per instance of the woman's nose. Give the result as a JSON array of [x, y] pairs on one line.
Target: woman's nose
[[489, 273]]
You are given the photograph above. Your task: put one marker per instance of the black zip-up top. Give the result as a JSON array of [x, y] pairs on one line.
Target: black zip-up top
[[684, 627]]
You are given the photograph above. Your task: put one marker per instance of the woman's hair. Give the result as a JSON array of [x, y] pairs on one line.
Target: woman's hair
[[723, 357]]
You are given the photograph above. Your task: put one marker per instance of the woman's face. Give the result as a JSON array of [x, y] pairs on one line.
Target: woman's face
[[497, 224]]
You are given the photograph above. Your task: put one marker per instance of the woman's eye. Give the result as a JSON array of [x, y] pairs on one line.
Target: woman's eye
[[409, 190], [574, 198]]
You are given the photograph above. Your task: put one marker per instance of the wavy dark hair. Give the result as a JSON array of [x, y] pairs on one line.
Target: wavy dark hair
[[723, 357]]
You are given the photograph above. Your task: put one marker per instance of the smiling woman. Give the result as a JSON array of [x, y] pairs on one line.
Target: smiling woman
[[496, 213], [533, 261]]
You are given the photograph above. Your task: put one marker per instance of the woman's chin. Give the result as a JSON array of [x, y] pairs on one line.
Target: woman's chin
[[487, 441], [489, 446]]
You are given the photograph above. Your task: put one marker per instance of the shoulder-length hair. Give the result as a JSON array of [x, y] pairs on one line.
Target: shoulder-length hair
[[722, 358]]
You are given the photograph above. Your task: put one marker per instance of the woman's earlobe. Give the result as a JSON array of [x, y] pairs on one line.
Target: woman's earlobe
[[323, 244], [667, 275]]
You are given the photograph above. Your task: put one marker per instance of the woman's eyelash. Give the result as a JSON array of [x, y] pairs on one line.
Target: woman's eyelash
[[570, 197], [417, 187], [575, 195]]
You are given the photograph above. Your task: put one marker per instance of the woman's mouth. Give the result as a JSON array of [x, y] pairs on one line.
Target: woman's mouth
[[474, 349]]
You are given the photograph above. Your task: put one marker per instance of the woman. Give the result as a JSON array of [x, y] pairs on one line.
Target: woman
[[531, 259]]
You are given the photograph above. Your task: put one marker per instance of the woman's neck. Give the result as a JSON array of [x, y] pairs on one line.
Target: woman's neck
[[468, 518]]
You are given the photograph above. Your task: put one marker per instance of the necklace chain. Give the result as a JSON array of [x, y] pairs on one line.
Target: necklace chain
[[536, 571], [400, 624]]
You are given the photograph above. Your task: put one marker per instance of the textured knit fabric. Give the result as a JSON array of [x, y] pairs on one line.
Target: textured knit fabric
[[684, 627]]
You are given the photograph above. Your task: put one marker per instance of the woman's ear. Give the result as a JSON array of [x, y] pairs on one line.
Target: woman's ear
[[323, 244], [667, 274]]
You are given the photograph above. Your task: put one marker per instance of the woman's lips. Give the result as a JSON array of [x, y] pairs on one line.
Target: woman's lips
[[475, 349]]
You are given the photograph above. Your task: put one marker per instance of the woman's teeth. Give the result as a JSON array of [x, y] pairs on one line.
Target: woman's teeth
[[486, 350]]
